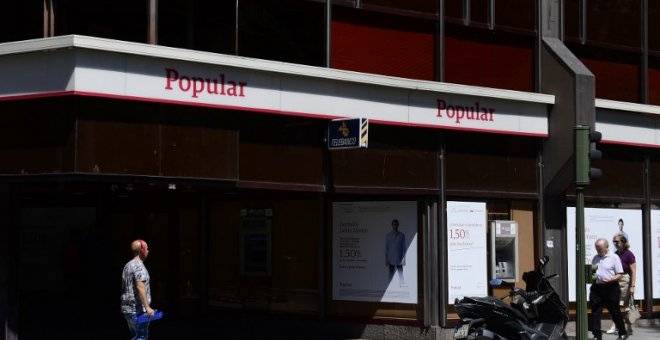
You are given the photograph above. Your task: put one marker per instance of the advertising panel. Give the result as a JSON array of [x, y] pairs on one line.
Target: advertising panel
[[374, 251], [467, 249], [604, 223], [655, 252]]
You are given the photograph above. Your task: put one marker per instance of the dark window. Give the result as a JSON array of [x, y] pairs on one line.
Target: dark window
[[515, 13], [426, 6], [502, 164], [572, 19], [654, 25], [200, 25], [615, 22], [479, 11], [407, 161], [174, 23], [654, 80], [294, 144], [37, 136], [117, 19], [655, 175], [487, 58], [21, 21], [617, 72], [283, 30], [292, 286], [454, 9], [380, 43], [622, 173]]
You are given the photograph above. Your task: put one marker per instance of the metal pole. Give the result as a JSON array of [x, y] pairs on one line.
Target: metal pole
[[581, 312], [328, 33]]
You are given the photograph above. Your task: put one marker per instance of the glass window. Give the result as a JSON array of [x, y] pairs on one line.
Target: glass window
[[654, 80], [276, 234], [654, 173], [283, 30], [622, 168], [454, 9], [617, 72], [505, 164], [117, 19], [572, 19], [200, 25], [22, 20], [615, 22], [407, 161], [479, 11], [485, 58], [426, 6], [654, 25], [515, 13], [381, 43]]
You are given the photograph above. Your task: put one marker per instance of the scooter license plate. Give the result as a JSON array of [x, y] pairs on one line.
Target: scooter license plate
[[462, 331]]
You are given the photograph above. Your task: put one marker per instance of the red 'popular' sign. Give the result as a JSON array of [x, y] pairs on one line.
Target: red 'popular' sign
[[467, 112], [199, 85]]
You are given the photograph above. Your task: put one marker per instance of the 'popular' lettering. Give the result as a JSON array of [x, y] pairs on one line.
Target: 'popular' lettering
[[460, 112], [199, 85]]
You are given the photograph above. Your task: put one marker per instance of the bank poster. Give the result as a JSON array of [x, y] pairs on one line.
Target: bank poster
[[655, 252], [467, 249], [604, 223], [374, 251]]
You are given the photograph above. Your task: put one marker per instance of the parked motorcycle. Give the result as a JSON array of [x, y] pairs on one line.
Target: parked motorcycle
[[536, 312]]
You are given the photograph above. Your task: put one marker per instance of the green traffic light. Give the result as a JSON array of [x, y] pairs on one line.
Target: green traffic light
[[585, 152]]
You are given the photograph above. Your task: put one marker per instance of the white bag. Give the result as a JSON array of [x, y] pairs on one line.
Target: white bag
[[632, 313]]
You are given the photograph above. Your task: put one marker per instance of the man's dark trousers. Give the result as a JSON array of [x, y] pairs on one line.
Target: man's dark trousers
[[605, 295]]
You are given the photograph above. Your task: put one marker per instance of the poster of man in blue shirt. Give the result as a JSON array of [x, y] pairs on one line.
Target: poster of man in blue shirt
[[395, 251]]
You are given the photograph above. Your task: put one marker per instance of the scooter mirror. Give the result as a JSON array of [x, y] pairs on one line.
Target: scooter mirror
[[496, 282]]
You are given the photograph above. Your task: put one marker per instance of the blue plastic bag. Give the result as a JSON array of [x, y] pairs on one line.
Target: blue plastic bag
[[144, 318]]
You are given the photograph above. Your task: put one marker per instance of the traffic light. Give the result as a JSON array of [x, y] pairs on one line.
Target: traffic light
[[590, 272], [585, 152]]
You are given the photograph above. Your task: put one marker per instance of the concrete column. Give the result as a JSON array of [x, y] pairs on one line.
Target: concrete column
[[573, 85], [8, 253]]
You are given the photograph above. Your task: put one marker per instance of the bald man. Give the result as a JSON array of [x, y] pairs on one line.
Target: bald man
[[605, 292], [136, 292]]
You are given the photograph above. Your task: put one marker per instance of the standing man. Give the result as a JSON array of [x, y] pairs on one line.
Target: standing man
[[605, 292], [395, 251], [136, 292]]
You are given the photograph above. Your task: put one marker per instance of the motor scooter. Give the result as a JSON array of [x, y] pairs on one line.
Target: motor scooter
[[536, 312]]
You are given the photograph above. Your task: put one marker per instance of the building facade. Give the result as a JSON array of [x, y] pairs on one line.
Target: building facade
[[202, 127]]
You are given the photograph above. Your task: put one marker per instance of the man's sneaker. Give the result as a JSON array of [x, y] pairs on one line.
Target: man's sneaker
[[623, 337]]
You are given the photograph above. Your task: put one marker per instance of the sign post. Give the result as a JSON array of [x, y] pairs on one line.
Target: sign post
[[584, 153]]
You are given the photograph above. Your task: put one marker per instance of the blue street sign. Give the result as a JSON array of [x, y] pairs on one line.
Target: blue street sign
[[348, 133]]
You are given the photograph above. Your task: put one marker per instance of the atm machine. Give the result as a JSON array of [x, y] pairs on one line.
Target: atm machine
[[255, 242], [504, 250]]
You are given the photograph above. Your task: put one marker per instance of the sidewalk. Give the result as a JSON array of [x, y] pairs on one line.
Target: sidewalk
[[643, 330]]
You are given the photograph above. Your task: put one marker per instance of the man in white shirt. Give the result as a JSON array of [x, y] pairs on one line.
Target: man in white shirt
[[136, 291], [605, 292]]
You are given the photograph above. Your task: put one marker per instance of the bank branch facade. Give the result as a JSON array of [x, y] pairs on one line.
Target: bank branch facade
[[221, 163]]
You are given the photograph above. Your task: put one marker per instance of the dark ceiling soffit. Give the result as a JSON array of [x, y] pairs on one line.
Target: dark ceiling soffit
[[281, 186], [103, 178]]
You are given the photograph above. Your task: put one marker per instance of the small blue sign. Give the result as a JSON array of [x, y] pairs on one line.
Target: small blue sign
[[348, 133]]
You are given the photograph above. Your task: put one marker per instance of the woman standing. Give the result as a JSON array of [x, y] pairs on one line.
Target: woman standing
[[627, 282]]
